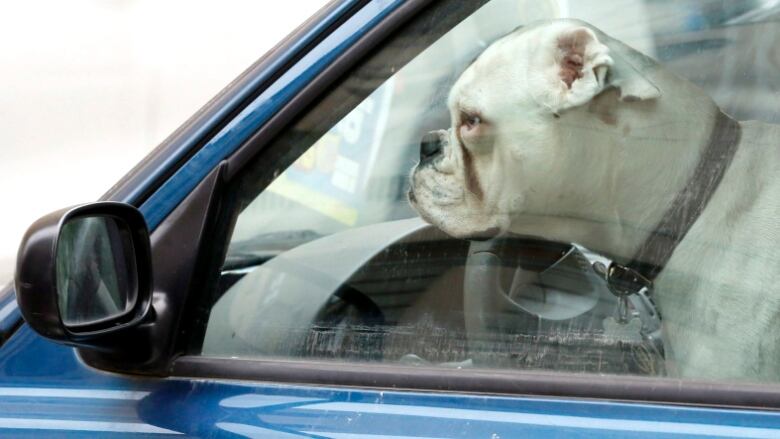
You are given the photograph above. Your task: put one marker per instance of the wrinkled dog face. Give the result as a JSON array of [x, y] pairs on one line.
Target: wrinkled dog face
[[502, 153]]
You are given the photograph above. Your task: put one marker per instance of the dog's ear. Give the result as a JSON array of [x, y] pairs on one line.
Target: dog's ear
[[583, 66], [631, 81], [578, 50]]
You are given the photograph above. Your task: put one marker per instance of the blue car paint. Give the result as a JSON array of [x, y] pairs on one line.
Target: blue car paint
[[9, 315], [46, 390], [224, 143]]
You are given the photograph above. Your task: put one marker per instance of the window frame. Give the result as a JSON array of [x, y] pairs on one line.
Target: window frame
[[154, 170], [385, 376], [391, 376]]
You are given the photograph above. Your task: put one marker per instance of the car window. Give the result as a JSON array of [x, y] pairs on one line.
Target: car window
[[507, 189]]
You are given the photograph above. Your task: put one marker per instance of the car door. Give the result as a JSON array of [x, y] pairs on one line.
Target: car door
[[297, 294]]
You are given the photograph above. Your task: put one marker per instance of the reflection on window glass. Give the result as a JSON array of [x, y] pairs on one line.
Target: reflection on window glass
[[527, 193]]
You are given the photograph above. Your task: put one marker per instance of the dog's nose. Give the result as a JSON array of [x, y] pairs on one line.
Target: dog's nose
[[430, 145]]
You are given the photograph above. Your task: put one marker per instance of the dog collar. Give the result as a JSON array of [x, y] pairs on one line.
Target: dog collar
[[658, 248]]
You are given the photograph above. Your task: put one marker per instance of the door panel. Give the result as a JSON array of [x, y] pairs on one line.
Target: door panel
[[62, 397]]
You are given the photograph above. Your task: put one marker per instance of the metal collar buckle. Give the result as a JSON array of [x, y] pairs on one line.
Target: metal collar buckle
[[634, 294]]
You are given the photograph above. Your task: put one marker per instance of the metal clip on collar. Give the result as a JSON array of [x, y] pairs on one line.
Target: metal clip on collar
[[629, 285]]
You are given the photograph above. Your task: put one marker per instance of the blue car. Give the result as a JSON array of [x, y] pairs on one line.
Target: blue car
[[261, 273]]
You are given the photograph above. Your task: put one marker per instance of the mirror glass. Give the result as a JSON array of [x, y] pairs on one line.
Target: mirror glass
[[96, 273]]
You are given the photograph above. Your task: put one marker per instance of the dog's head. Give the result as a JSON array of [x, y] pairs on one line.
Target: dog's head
[[504, 153]]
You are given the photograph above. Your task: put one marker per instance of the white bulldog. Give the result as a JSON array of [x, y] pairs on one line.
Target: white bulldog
[[562, 132]]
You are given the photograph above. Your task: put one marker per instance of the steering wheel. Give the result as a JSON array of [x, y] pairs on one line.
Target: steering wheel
[[534, 303], [518, 287]]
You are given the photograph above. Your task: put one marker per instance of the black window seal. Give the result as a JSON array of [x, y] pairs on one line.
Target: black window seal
[[633, 389]]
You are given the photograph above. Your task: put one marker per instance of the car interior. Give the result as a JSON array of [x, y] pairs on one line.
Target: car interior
[[398, 290]]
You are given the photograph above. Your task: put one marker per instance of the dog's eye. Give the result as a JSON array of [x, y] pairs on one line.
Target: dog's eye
[[470, 121]]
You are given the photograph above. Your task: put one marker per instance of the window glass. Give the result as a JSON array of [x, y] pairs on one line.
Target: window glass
[[500, 188]]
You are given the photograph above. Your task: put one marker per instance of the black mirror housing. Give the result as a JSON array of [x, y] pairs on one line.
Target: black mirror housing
[[46, 294]]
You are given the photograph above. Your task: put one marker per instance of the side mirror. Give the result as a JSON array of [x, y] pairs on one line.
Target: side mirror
[[83, 273]]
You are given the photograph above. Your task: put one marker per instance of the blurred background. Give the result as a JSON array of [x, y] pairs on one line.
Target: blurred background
[[90, 86]]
